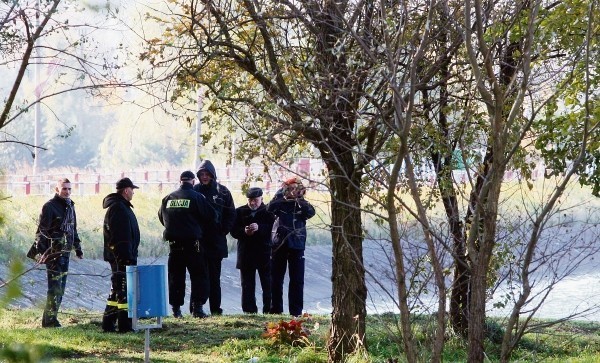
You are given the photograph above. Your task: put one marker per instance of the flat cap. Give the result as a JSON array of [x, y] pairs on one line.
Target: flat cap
[[254, 192], [187, 175], [125, 183]]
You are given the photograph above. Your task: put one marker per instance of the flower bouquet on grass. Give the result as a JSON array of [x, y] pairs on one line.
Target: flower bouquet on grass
[[291, 332]]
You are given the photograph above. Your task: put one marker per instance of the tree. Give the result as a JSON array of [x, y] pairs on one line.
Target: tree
[[388, 89], [58, 38], [511, 59], [292, 75]]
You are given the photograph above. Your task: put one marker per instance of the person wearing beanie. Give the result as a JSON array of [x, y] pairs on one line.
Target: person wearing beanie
[[289, 241], [215, 240], [183, 213], [252, 229], [55, 237], [121, 241]]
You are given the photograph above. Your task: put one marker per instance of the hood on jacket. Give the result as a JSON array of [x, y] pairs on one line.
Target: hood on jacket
[[113, 198], [206, 165]]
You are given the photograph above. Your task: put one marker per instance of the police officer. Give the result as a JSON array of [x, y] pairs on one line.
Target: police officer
[[183, 212], [252, 229]]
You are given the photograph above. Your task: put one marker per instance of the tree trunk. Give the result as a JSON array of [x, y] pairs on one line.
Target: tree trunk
[[347, 332], [477, 313]]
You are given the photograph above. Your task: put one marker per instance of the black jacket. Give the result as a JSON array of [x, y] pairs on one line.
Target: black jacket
[[49, 233], [221, 200], [291, 220], [255, 250], [121, 230], [183, 212]]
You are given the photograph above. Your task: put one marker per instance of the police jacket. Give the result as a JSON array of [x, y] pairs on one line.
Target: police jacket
[[183, 213], [255, 250], [49, 233], [291, 221], [121, 230], [221, 200]]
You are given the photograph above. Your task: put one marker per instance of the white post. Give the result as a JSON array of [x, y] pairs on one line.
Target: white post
[[198, 146], [38, 93], [147, 346]]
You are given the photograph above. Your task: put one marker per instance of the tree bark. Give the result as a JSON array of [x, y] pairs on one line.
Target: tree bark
[[347, 331]]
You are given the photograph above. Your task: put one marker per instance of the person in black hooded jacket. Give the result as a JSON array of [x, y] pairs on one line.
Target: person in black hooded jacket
[[121, 242], [215, 239]]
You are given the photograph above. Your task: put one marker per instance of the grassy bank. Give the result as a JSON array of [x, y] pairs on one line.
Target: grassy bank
[[238, 338], [21, 214]]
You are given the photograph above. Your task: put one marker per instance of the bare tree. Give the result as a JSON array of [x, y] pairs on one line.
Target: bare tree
[[58, 37]]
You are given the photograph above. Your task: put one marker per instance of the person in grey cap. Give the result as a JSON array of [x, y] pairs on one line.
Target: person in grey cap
[[252, 229], [121, 242], [183, 213]]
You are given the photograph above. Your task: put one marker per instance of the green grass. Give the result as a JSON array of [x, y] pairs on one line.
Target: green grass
[[238, 338]]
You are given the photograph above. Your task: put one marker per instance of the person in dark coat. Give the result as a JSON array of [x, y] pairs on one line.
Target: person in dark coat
[[215, 240], [56, 236], [121, 242], [183, 213], [252, 229], [289, 241]]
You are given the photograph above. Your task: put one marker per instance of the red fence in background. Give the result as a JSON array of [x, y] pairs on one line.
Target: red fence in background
[[166, 180]]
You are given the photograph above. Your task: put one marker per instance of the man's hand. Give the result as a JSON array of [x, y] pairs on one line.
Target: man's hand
[[250, 229]]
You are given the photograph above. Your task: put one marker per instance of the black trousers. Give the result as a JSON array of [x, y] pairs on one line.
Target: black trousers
[[282, 258], [248, 282], [188, 256], [56, 271], [214, 262], [116, 311]]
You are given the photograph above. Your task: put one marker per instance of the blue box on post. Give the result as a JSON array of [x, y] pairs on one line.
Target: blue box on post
[[147, 291]]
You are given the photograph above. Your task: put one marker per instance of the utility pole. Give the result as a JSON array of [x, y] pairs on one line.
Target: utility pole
[[38, 94], [198, 146]]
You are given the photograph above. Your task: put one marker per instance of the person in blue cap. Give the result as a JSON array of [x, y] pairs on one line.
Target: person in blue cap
[[252, 229]]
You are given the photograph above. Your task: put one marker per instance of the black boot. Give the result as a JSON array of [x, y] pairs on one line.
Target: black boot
[[177, 312], [217, 311], [125, 323], [199, 312], [49, 320], [109, 319]]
